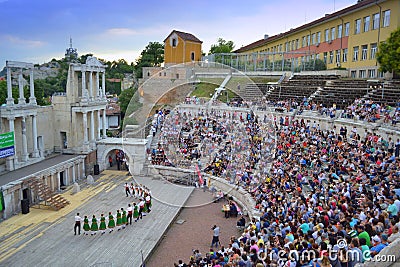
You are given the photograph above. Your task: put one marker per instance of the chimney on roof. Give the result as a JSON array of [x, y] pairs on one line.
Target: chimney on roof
[[266, 36]]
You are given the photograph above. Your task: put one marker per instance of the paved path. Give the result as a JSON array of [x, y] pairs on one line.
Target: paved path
[[45, 238]]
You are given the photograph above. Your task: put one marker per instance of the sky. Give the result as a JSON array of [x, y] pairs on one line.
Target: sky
[[36, 31]]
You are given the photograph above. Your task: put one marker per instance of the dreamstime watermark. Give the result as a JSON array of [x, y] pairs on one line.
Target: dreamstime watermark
[[338, 252]]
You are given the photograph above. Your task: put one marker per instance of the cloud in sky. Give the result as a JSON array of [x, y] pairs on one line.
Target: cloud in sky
[[15, 40], [112, 31]]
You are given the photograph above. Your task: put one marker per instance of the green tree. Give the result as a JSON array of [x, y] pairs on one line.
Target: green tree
[[151, 56], [222, 46], [3, 92], [124, 99], [388, 55], [319, 65]]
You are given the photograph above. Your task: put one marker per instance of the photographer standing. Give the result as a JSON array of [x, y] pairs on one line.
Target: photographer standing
[[215, 239]]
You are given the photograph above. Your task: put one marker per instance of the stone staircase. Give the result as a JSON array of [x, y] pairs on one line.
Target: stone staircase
[[47, 197]]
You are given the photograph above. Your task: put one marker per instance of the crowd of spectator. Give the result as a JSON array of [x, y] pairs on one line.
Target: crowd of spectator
[[317, 190]]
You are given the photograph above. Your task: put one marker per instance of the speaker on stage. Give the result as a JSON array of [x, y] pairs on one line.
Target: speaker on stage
[[96, 169], [25, 206]]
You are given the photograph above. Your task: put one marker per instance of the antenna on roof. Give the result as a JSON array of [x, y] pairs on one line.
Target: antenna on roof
[[334, 5], [70, 42]]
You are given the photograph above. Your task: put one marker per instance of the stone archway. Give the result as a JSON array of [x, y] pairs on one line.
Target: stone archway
[[135, 150], [118, 158]]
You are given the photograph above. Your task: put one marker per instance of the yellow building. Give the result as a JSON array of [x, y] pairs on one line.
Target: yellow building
[[348, 38], [181, 47]]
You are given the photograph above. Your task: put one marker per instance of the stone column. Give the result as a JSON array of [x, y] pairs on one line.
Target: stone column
[[103, 81], [10, 99], [98, 124], [11, 124], [85, 125], [104, 124], [24, 142], [92, 126], [83, 169], [73, 173], [21, 99], [34, 137], [84, 91], [79, 171], [58, 182], [32, 98], [10, 161], [98, 95], [91, 85]]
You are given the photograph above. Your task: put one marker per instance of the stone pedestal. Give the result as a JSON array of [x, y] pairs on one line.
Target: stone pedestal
[[76, 188], [89, 179], [10, 164]]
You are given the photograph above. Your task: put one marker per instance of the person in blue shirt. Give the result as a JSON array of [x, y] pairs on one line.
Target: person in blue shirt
[[377, 246]]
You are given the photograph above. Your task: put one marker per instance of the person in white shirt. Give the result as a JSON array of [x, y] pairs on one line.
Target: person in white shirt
[[130, 213], [78, 221]]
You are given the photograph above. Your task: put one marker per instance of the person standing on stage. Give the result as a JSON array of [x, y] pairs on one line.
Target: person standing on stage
[[123, 219], [94, 226], [111, 222], [141, 207], [119, 220], [135, 212], [78, 221], [86, 226], [130, 213], [102, 226], [127, 191], [148, 202]]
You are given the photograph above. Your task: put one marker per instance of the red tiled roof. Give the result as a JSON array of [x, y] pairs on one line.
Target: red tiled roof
[[113, 108], [262, 42], [185, 36]]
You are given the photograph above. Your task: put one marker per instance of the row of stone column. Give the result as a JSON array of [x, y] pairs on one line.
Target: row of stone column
[[99, 94], [53, 180], [92, 128], [24, 153], [21, 99]]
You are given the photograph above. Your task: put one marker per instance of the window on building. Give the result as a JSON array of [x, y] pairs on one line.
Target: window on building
[[362, 73], [292, 45], [318, 37], [381, 74], [337, 56], [325, 57], [313, 38], [374, 47], [280, 48], [364, 52], [386, 18], [297, 44], [330, 57], [353, 73], [165, 74], [346, 28], [357, 26], [159, 74], [366, 24], [308, 40], [327, 35], [345, 55], [177, 75], [192, 56], [317, 57], [355, 53], [303, 44], [333, 33], [375, 22], [339, 31], [174, 42], [371, 73]]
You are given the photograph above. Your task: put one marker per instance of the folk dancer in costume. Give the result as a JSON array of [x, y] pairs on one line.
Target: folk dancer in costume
[[102, 226], [127, 191], [111, 222], [141, 207], [94, 226], [86, 226], [136, 191], [148, 202], [123, 219], [130, 213], [78, 221], [135, 212], [132, 189], [119, 220]]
